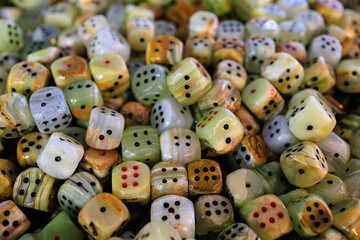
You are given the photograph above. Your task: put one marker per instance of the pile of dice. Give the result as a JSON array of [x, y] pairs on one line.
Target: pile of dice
[[112, 128]]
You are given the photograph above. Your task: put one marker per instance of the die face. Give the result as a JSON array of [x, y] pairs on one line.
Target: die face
[[284, 72], [347, 126], [348, 169], [346, 39], [104, 216], [231, 71], [15, 223], [50, 110], [16, 119], [189, 81], [88, 28], [257, 50], [293, 195], [35, 189], [11, 37], [226, 131], [347, 78], [308, 127], [292, 31], [230, 97], [327, 46], [27, 77], [169, 113], [332, 11], [295, 49], [163, 27], [180, 145], [135, 114], [178, 211], [164, 50], [310, 215], [205, 177], [200, 47], [262, 99], [238, 231], [251, 125], [131, 182], [229, 49], [34, 47], [45, 33], [106, 41], [68, 38], [213, 214], [45, 56], [277, 135], [139, 31], [293, 7], [9, 172], [241, 191], [30, 147], [303, 164], [76, 133], [336, 151], [149, 84], [65, 156], [168, 178], [203, 22], [8, 60], [141, 143], [313, 21], [273, 11], [67, 70], [60, 15], [105, 129], [157, 230], [231, 29], [262, 26], [77, 191], [81, 97]]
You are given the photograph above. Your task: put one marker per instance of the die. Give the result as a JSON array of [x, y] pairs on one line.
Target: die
[[60, 15], [164, 27], [86, 7], [189, 81], [82, 96], [27, 4], [310, 215], [141, 143], [250, 123], [133, 11], [267, 216], [277, 135], [226, 131], [68, 39], [200, 47], [27, 77], [262, 99], [327, 46], [45, 32], [61, 156], [237, 231], [135, 113], [349, 21], [15, 119], [11, 36], [203, 22], [336, 151], [9, 171], [61, 227], [293, 7], [292, 31], [45, 56], [313, 21], [231, 29], [293, 195], [168, 178], [229, 49], [346, 39], [331, 10], [164, 50], [347, 76], [107, 41], [243, 185], [270, 10], [139, 31], [99, 162], [347, 126], [67, 70], [355, 144], [179, 145], [262, 26], [231, 71], [104, 216], [131, 182], [29, 148], [257, 50], [224, 94], [8, 60], [77, 191], [213, 213], [331, 233], [168, 113], [205, 177], [76, 133], [89, 27], [295, 49], [284, 72], [50, 110], [308, 127], [14, 221], [319, 75], [149, 84], [115, 15], [250, 153], [35, 189], [176, 210], [157, 230], [3, 78], [303, 164], [327, 187], [345, 215]]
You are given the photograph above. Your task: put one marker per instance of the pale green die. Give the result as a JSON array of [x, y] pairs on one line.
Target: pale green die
[[11, 37], [287, 198], [292, 31]]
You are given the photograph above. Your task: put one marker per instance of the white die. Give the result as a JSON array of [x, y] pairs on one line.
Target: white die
[[163, 27], [87, 29], [203, 22], [231, 29], [60, 156], [327, 46]]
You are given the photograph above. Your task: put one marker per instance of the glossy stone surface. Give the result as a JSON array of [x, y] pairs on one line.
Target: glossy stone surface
[[9, 172]]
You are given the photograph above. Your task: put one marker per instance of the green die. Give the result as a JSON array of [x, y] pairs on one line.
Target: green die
[[273, 178], [61, 227], [11, 38], [141, 143], [34, 47], [348, 126], [60, 15], [30, 19], [149, 84], [310, 215], [77, 191], [82, 96], [220, 129], [289, 197], [219, 7]]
